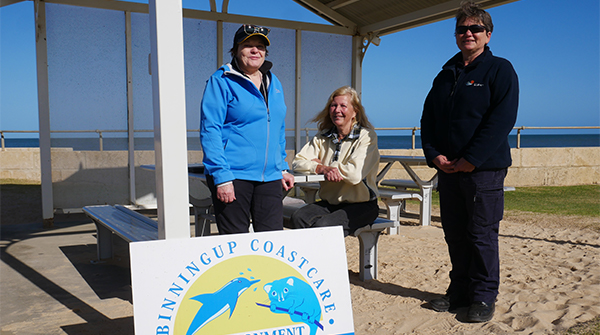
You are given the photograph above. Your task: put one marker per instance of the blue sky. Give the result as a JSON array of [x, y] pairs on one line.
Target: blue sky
[[554, 46]]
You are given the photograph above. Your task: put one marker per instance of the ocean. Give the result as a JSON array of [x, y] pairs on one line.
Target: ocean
[[385, 142]]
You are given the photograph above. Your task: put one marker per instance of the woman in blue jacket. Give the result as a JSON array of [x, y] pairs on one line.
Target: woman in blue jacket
[[242, 133]]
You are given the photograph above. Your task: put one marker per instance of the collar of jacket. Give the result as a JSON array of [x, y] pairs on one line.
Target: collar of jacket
[[233, 69], [458, 60], [333, 134]]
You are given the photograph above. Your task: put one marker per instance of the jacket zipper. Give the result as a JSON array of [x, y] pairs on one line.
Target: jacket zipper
[[268, 118]]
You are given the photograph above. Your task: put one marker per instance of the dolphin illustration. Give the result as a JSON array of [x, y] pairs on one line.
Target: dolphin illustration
[[215, 304]]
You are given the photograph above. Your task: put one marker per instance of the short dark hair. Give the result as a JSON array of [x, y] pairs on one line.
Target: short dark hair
[[469, 9]]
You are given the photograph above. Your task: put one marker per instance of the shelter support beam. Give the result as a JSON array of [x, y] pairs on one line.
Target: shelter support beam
[[357, 57], [297, 98], [130, 114], [168, 99], [41, 49]]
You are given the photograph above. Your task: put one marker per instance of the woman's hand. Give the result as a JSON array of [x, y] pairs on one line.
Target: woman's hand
[[287, 181], [331, 173], [444, 164], [226, 193]]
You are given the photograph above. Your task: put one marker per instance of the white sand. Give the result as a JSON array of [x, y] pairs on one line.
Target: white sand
[[550, 280]]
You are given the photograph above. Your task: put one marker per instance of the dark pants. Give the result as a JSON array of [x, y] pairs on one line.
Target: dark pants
[[259, 200], [472, 205], [349, 216]]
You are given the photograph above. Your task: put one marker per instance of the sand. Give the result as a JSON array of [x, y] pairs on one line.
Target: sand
[[550, 280]]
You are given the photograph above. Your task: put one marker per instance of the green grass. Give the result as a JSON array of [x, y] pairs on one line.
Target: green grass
[[591, 327], [582, 200]]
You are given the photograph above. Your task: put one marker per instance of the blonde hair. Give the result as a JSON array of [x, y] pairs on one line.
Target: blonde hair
[[323, 119]]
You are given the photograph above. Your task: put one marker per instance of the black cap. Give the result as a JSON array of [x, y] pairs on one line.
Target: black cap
[[248, 30]]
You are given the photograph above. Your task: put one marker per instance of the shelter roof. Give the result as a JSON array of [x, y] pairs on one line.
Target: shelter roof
[[382, 17]]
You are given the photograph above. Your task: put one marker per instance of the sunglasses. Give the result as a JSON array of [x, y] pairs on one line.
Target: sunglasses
[[476, 28], [250, 29]]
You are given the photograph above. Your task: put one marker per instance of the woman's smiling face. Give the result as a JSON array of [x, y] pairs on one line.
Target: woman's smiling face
[[342, 113], [251, 54], [469, 42]]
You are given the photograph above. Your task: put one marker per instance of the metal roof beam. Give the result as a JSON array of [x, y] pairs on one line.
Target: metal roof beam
[[8, 2], [340, 3], [327, 13], [212, 16]]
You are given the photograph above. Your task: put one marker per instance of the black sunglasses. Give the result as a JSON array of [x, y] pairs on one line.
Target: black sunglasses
[[250, 29], [476, 28]]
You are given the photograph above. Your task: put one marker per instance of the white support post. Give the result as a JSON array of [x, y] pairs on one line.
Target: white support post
[[170, 139], [219, 44], [357, 57], [130, 114], [41, 49], [298, 119]]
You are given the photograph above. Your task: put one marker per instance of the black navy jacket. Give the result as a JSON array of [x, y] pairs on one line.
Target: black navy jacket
[[470, 111]]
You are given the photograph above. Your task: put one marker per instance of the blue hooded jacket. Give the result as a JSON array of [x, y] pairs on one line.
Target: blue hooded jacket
[[242, 134]]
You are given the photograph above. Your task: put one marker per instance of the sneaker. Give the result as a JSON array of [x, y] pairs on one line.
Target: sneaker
[[480, 311], [447, 303]]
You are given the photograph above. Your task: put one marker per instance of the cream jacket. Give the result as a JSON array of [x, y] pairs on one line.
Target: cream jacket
[[358, 163]]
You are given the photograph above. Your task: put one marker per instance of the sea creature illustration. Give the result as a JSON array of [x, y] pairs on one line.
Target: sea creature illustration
[[294, 296], [215, 304]]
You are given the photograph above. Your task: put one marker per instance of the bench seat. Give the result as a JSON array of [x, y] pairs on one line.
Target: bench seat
[[368, 237], [399, 183], [395, 203], [121, 221], [409, 183]]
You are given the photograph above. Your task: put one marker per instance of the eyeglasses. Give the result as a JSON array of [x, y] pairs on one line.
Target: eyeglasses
[[250, 29], [476, 28]]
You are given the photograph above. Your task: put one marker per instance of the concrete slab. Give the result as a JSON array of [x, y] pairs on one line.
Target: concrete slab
[[49, 283]]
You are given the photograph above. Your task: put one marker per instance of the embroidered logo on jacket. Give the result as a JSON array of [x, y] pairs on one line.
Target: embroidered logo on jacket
[[473, 83]]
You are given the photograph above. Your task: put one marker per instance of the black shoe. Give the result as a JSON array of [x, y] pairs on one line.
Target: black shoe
[[481, 312], [447, 303]]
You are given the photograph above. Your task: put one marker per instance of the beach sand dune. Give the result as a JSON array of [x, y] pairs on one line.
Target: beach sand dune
[[550, 280]]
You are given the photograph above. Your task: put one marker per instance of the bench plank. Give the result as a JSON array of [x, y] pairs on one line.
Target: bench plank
[[121, 221]]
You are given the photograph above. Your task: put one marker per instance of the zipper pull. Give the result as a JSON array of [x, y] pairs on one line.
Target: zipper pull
[[268, 115]]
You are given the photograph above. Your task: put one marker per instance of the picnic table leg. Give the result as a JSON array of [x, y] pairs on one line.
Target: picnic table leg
[[310, 195], [393, 213], [368, 255], [103, 242], [425, 212], [202, 224]]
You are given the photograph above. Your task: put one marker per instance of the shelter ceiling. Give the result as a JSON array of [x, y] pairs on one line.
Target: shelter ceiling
[[382, 17], [349, 17]]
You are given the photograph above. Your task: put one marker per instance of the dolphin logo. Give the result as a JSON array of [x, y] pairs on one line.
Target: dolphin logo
[[215, 304]]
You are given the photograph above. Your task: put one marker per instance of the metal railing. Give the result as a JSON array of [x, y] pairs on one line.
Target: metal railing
[[305, 130]]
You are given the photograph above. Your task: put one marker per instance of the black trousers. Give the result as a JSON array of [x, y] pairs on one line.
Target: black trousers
[[350, 216], [259, 200], [472, 205]]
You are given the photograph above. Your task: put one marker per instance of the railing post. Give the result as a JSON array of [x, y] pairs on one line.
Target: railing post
[[306, 130], [519, 138], [2, 139], [100, 140], [414, 130]]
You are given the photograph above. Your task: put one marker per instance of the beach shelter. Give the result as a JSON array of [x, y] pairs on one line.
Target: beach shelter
[[155, 39]]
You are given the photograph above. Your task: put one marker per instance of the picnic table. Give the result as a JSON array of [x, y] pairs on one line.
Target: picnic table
[[424, 186]]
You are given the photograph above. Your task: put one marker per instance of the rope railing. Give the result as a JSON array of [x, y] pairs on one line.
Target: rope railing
[[305, 130]]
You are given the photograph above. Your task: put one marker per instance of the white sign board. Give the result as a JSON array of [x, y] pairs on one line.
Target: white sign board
[[292, 282]]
